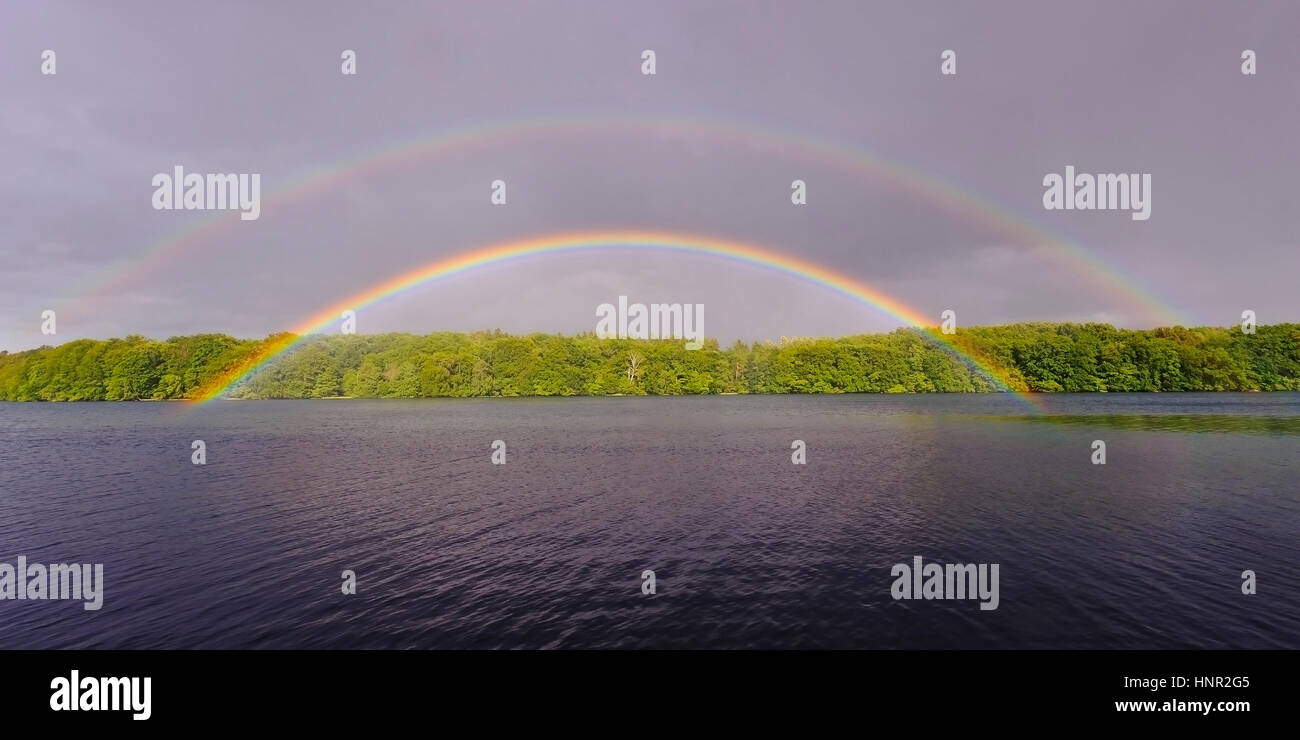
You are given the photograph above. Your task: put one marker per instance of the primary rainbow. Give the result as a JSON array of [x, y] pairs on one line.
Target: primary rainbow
[[932, 187], [627, 239]]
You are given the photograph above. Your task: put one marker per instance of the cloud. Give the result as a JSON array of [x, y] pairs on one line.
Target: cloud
[[257, 89]]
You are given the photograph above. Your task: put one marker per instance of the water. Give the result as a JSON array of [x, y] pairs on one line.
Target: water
[[748, 550]]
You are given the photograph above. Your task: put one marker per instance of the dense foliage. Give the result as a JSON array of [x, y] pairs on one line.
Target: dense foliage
[[1038, 357]]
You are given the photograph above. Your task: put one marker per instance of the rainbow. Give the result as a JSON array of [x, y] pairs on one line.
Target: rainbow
[[584, 241], [930, 187]]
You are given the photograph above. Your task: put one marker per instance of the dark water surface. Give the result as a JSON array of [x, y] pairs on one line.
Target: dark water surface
[[748, 550]]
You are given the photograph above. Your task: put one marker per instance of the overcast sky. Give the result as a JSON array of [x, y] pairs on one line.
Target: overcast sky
[[1147, 87]]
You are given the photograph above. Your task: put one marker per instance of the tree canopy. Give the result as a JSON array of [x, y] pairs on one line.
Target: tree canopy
[[1035, 357]]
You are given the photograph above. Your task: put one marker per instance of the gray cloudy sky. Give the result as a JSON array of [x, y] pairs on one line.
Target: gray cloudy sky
[[256, 87]]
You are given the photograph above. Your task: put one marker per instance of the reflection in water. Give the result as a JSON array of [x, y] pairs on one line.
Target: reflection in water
[[1170, 422]]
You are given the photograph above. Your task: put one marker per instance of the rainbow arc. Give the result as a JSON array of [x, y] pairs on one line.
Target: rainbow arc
[[510, 251]]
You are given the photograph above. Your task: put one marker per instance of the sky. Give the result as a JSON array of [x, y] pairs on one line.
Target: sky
[[254, 87]]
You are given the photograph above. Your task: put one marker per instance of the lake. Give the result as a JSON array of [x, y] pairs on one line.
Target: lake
[[748, 549]]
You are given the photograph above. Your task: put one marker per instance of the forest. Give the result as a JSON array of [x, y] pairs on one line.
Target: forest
[[1035, 357]]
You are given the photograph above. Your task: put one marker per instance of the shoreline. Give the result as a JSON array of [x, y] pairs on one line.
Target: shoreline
[[1042, 394]]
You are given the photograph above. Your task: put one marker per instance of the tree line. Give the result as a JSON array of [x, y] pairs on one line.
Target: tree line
[[1035, 357]]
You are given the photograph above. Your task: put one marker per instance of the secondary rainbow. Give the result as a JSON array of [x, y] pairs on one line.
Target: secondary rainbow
[[928, 186], [581, 241]]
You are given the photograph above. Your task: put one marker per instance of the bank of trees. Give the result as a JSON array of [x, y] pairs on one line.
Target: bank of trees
[[1038, 357]]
